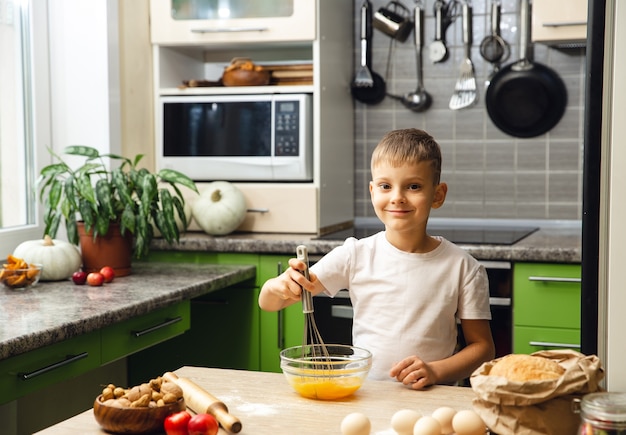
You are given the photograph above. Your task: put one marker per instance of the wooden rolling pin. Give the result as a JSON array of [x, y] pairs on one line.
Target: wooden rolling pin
[[200, 401]]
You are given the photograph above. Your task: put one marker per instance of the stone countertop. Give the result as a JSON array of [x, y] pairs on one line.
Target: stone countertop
[[548, 245], [52, 312]]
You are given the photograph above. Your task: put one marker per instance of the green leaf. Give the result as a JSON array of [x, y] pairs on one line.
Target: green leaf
[[180, 209], [70, 193], [86, 213], [102, 225], [54, 195], [149, 191], [72, 231], [85, 189], [119, 181], [103, 193], [175, 177], [127, 221], [82, 150]]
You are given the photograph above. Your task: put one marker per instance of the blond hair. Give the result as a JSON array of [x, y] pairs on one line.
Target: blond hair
[[410, 145]]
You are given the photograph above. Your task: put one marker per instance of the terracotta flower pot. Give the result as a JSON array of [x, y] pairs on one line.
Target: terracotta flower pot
[[112, 250]]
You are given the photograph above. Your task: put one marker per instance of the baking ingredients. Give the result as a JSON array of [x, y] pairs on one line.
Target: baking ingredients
[[59, 258], [427, 425], [95, 279], [356, 423], [523, 368], [404, 420], [467, 422], [108, 273], [220, 209], [176, 424], [444, 416], [203, 424], [17, 273]]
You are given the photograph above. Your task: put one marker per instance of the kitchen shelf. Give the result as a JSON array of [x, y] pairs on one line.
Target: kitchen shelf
[[235, 90]]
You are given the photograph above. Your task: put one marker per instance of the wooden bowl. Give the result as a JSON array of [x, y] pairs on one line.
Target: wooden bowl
[[134, 420], [243, 77]]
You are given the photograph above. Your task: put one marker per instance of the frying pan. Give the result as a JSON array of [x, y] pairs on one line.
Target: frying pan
[[526, 99], [376, 93]]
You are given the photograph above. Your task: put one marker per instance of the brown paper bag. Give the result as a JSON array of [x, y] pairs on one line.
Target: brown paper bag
[[536, 407]]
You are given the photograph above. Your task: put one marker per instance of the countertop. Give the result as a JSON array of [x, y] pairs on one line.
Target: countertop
[[265, 404], [52, 312], [553, 244]]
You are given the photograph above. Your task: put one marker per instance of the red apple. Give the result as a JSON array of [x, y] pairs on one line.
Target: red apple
[[108, 272], [95, 279], [79, 277], [203, 424]]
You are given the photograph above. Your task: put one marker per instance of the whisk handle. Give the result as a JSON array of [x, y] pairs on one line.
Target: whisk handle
[[302, 254]]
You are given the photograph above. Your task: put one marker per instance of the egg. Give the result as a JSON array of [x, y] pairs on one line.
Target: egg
[[356, 424], [444, 416], [404, 420], [427, 425], [467, 422]]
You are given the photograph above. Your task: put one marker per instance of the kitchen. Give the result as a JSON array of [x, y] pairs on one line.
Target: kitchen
[[468, 152]]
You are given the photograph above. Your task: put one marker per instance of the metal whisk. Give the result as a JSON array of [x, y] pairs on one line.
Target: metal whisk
[[313, 346]]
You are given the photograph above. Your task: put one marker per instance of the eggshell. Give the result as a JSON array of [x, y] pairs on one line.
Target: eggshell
[[467, 422], [356, 424], [404, 420], [444, 416], [427, 425]]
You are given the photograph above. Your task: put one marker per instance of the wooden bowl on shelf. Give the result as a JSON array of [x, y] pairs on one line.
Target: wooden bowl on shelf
[[141, 420], [242, 77]]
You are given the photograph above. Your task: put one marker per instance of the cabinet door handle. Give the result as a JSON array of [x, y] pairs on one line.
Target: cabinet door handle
[[281, 315], [553, 279], [565, 24], [167, 322], [68, 360], [230, 29], [550, 344]]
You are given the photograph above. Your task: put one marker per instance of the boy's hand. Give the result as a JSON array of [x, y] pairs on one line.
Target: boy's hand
[[286, 288], [414, 372]]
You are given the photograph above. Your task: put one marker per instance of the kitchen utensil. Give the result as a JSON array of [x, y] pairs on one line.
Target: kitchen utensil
[[393, 20], [363, 76], [340, 375], [465, 88], [374, 93], [201, 401], [418, 100], [438, 49], [525, 98], [493, 48], [311, 334]]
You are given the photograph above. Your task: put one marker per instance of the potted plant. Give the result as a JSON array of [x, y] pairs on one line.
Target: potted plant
[[93, 200]]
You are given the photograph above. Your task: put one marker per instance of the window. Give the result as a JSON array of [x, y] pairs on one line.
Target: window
[[24, 118]]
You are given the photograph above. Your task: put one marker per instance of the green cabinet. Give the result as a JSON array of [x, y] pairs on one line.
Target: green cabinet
[[228, 329], [546, 307], [34, 370]]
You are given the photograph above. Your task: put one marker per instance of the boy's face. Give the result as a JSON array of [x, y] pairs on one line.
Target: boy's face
[[403, 196]]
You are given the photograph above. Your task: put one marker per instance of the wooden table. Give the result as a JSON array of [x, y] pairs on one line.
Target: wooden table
[[266, 404]]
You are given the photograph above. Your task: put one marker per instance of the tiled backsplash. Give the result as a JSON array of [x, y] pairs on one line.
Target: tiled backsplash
[[490, 174]]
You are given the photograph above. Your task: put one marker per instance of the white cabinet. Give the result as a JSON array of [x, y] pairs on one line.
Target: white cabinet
[[235, 21], [559, 22], [323, 38]]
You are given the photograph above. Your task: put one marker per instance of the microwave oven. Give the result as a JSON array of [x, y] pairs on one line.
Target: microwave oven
[[260, 137]]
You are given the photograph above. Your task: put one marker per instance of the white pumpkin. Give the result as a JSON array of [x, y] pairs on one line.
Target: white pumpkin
[[220, 209], [60, 259]]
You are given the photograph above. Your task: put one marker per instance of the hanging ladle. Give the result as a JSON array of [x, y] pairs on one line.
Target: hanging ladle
[[418, 100]]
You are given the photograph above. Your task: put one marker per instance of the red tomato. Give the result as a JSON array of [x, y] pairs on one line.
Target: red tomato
[[95, 279], [108, 272], [176, 424], [203, 424]]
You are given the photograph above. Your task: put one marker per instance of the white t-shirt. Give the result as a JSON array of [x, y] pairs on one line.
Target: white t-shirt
[[405, 303]]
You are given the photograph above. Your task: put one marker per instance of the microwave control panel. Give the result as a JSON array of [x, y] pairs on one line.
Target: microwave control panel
[[287, 128]]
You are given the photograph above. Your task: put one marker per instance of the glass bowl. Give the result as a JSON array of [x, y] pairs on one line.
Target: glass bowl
[[20, 279], [325, 376]]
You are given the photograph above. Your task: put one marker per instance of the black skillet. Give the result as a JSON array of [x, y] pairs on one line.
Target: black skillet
[[526, 99], [376, 93]]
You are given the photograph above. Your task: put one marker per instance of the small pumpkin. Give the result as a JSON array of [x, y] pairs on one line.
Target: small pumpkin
[[60, 259], [220, 209]]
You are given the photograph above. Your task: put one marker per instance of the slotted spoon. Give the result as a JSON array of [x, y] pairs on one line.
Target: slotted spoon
[[465, 91]]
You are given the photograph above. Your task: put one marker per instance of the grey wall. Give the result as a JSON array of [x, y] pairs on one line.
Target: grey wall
[[490, 174]]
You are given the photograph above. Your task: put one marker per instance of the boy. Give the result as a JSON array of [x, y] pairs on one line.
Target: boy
[[407, 288]]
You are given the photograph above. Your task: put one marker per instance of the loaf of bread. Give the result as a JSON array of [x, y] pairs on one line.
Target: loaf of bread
[[523, 368]]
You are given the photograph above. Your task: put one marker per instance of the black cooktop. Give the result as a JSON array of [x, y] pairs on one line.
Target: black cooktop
[[492, 235]]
